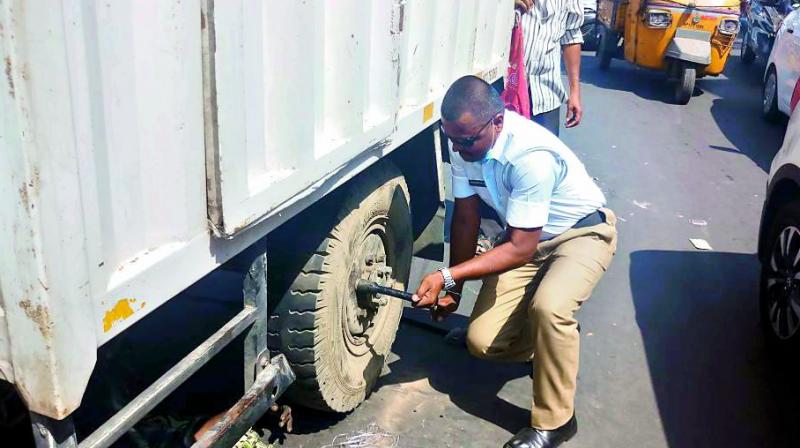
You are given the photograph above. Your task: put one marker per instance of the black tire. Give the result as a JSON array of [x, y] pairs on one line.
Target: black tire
[[748, 56], [335, 345], [779, 295], [606, 47], [769, 97], [687, 75]]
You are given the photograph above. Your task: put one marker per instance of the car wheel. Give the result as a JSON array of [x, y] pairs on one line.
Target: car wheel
[[747, 55], [770, 96], [779, 298]]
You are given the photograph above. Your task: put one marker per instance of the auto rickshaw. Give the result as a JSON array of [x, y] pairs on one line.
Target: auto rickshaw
[[687, 39]]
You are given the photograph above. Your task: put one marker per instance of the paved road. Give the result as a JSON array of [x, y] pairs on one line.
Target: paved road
[[671, 352]]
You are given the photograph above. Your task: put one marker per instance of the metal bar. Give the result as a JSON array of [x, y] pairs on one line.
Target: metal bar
[[374, 288], [51, 433], [126, 418], [269, 385], [256, 355]]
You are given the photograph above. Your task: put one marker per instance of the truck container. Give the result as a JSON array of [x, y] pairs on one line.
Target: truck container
[[145, 144]]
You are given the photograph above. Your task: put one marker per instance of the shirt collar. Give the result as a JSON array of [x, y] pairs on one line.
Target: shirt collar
[[497, 151]]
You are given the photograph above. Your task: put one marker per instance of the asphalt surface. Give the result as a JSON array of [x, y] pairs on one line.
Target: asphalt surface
[[671, 353]]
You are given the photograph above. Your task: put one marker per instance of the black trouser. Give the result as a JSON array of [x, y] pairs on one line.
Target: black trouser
[[550, 120]]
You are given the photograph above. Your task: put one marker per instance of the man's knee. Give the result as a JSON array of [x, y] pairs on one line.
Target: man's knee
[[479, 341], [548, 308]]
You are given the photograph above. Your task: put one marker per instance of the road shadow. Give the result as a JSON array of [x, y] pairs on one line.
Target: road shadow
[[737, 113], [471, 384], [713, 378], [750, 135], [625, 77]]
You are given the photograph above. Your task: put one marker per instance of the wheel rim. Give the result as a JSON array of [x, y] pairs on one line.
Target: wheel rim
[[783, 284], [371, 262], [769, 92]]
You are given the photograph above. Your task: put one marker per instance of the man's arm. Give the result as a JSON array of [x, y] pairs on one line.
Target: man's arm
[[516, 252], [463, 239], [572, 61], [571, 47], [464, 232]]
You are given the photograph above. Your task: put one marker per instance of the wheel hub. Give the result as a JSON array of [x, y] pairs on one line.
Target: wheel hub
[[783, 288], [769, 92], [369, 264]]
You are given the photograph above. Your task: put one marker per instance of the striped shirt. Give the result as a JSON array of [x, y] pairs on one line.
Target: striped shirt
[[547, 26]]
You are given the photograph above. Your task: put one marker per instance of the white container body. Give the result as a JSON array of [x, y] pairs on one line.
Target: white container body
[[142, 146]]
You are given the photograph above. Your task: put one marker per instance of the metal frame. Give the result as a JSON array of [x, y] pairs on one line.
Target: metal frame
[[265, 379]]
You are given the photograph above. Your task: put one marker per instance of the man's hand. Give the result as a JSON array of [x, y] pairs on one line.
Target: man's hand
[[523, 5], [574, 110], [446, 306], [427, 296], [428, 291]]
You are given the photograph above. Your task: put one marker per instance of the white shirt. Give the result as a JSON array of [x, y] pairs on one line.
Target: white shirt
[[530, 178], [547, 26]]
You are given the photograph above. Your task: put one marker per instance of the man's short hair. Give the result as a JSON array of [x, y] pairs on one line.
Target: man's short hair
[[474, 95]]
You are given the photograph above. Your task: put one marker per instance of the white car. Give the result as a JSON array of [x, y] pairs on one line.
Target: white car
[[783, 69], [779, 244]]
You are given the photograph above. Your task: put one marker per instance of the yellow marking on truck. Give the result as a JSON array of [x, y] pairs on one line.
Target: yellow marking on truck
[[427, 112], [121, 311]]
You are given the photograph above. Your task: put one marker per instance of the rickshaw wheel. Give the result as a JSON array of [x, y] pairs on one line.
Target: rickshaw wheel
[[685, 86], [605, 50], [747, 54]]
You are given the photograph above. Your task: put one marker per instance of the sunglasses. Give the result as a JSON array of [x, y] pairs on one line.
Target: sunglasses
[[467, 142]]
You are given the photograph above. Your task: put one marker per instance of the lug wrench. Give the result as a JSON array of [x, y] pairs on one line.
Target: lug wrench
[[373, 288]]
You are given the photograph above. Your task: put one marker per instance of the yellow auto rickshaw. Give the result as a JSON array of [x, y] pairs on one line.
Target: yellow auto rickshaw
[[687, 39]]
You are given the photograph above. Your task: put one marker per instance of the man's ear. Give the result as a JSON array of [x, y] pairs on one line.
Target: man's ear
[[498, 122]]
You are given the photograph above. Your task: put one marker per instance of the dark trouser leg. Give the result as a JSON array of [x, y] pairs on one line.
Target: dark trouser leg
[[549, 120]]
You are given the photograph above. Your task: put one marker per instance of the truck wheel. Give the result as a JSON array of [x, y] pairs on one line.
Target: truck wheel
[[685, 86], [336, 342], [779, 297]]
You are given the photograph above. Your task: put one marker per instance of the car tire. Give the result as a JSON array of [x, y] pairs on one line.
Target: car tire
[[334, 342], [779, 291], [769, 96], [748, 56]]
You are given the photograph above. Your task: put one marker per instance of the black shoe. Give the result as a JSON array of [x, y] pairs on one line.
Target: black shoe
[[539, 438]]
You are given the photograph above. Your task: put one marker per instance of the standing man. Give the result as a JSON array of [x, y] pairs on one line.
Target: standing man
[[547, 27], [559, 243]]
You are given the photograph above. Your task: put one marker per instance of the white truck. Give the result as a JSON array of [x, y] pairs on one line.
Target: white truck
[[146, 143]]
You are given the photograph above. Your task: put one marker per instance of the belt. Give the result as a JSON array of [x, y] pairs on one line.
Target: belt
[[592, 219]]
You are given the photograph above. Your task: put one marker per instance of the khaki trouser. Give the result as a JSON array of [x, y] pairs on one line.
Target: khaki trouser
[[531, 310]]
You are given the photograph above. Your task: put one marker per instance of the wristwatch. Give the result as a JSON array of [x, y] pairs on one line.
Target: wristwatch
[[449, 283]]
